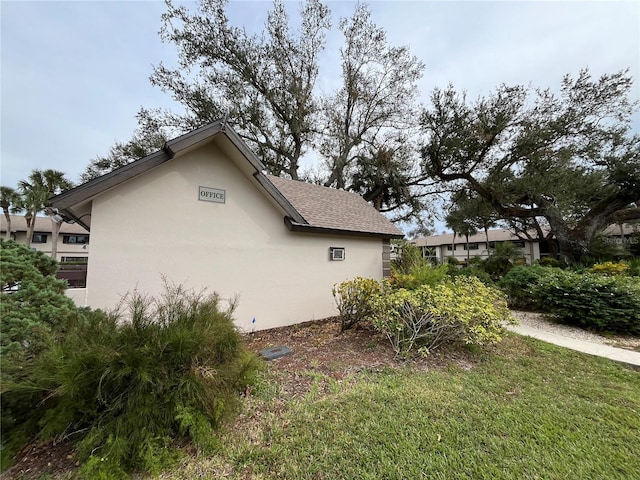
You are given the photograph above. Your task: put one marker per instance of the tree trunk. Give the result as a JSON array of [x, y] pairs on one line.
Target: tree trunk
[[31, 225], [8, 217], [453, 245], [468, 254], [55, 230]]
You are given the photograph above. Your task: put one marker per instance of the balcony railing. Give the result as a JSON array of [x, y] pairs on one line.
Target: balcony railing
[[74, 273]]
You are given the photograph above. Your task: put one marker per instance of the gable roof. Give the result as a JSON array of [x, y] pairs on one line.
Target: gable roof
[[308, 207]]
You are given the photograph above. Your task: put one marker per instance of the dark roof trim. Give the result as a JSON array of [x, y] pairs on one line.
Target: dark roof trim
[[297, 227], [279, 198], [100, 184], [69, 215], [171, 149], [240, 144]]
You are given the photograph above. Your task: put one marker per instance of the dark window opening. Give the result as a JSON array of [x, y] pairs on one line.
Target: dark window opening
[[39, 238], [75, 239]]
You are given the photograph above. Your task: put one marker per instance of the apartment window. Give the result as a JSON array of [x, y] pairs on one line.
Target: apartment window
[[428, 252], [75, 239], [77, 283], [39, 238], [450, 247], [472, 246]]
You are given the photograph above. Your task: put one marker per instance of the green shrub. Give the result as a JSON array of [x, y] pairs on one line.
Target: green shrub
[[418, 275], [550, 262], [610, 268], [502, 258], [409, 256], [35, 312], [354, 300], [593, 301], [474, 271], [464, 310], [128, 385], [453, 261], [33, 305], [517, 284], [634, 267]]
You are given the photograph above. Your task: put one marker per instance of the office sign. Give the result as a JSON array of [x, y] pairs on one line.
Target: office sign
[[208, 194]]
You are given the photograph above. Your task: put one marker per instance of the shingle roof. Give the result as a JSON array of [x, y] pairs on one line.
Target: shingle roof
[[499, 235], [43, 225], [502, 235], [334, 209]]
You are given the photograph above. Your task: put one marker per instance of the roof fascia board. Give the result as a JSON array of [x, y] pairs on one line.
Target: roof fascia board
[[241, 145], [68, 213], [280, 199], [297, 227], [175, 146], [94, 187], [170, 150]]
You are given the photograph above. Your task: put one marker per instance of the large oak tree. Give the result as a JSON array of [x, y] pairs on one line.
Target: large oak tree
[[568, 161]]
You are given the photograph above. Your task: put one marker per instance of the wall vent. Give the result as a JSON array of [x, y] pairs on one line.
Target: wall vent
[[336, 253]]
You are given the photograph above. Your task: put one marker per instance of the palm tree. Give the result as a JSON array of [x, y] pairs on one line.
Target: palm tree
[[36, 190], [9, 201], [460, 226]]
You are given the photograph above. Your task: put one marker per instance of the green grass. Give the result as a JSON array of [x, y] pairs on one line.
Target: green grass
[[527, 410]]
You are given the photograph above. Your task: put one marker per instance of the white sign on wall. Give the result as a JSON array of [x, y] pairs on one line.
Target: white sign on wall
[[208, 194]]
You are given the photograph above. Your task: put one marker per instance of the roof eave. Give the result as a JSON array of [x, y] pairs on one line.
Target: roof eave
[[306, 228], [170, 150], [101, 184], [279, 198]]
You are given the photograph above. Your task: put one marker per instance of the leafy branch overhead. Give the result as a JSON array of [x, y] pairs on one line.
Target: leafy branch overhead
[[570, 161]]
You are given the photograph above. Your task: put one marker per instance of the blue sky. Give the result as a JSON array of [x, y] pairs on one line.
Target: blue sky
[[74, 74]]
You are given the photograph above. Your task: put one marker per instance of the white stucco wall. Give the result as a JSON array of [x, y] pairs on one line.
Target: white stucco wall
[[78, 295], [155, 225], [531, 252]]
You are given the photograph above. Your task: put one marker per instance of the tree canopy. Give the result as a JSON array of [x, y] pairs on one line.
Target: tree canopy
[[265, 85], [553, 166], [569, 162], [36, 191]]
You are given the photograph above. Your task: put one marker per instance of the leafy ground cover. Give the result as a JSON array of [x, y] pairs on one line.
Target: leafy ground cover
[[341, 407]]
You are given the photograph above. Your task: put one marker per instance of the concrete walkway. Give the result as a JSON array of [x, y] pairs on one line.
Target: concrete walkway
[[617, 354]]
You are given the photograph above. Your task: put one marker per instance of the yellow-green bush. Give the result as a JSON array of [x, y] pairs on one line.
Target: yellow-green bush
[[610, 268], [463, 310], [354, 299]]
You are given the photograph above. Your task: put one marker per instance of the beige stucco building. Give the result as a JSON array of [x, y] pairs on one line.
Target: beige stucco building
[[202, 213], [439, 247]]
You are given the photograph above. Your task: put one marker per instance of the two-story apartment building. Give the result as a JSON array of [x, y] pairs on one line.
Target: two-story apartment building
[[439, 247], [72, 245]]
